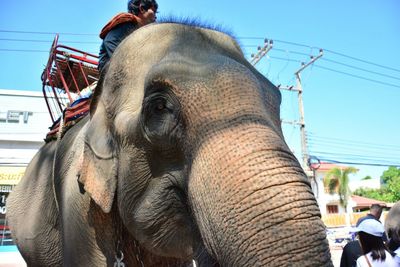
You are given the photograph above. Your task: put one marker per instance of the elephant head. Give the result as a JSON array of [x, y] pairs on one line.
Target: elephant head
[[185, 139]]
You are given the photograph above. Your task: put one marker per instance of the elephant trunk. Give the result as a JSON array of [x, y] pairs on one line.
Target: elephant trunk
[[252, 201]]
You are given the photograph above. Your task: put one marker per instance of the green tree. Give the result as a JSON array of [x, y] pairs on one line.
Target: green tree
[[390, 174], [377, 194], [367, 178], [337, 180], [390, 190]]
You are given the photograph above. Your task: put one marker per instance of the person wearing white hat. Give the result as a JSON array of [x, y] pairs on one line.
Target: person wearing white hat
[[375, 253]]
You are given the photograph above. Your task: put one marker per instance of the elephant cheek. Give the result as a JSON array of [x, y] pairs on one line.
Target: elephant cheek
[[253, 204]]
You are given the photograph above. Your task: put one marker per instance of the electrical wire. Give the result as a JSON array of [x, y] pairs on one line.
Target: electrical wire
[[325, 50], [286, 59], [353, 145], [243, 37], [30, 50], [53, 33], [349, 151], [358, 68], [338, 63], [45, 41], [352, 149], [337, 155], [24, 50], [358, 163], [346, 73], [275, 49], [362, 60], [341, 72], [351, 142], [357, 76], [355, 156]]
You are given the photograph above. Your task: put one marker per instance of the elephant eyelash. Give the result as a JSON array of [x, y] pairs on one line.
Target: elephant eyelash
[[158, 86], [162, 91], [157, 103]]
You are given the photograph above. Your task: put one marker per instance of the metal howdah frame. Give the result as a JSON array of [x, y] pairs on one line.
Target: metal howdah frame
[[67, 73]]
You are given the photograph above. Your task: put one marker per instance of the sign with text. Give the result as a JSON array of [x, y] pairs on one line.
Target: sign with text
[[14, 116], [11, 175]]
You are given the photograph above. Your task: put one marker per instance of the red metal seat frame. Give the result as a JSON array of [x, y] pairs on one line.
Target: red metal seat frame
[[68, 71]]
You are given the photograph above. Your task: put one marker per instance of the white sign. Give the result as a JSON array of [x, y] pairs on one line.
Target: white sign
[[15, 116]]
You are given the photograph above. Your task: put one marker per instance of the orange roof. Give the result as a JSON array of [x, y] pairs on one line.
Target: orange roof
[[363, 202], [326, 166]]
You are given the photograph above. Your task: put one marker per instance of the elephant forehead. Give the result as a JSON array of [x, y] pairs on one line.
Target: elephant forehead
[[148, 45], [173, 36], [153, 44]]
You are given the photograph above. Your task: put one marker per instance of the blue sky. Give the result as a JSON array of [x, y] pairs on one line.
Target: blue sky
[[351, 95]]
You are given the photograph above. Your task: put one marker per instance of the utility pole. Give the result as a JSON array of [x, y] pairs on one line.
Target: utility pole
[[261, 52], [268, 44], [304, 149]]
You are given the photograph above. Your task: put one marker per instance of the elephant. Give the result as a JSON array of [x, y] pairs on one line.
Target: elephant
[[181, 161], [392, 226]]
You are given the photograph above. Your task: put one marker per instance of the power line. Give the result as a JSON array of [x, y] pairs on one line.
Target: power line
[[45, 41], [359, 163], [255, 38], [285, 59], [243, 37], [362, 60], [53, 33], [24, 50], [30, 50], [358, 76], [291, 52], [333, 61], [341, 72], [358, 151], [362, 69], [355, 156], [354, 151], [275, 49], [279, 41], [350, 142], [326, 50]]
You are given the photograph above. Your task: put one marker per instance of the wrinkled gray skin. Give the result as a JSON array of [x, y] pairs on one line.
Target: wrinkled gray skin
[[182, 157], [392, 224]]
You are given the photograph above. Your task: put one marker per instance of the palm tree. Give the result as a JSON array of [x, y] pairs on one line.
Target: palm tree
[[337, 180]]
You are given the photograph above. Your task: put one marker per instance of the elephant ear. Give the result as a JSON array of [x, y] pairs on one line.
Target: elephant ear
[[98, 171]]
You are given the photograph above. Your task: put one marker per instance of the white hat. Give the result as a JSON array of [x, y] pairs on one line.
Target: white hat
[[372, 227]]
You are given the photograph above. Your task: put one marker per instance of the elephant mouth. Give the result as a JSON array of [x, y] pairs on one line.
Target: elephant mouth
[[162, 221]]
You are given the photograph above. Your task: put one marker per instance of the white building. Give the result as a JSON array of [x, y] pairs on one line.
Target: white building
[[374, 183], [24, 122], [329, 203]]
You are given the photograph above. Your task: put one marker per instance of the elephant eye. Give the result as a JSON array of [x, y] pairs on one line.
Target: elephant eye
[[160, 105], [161, 118]]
